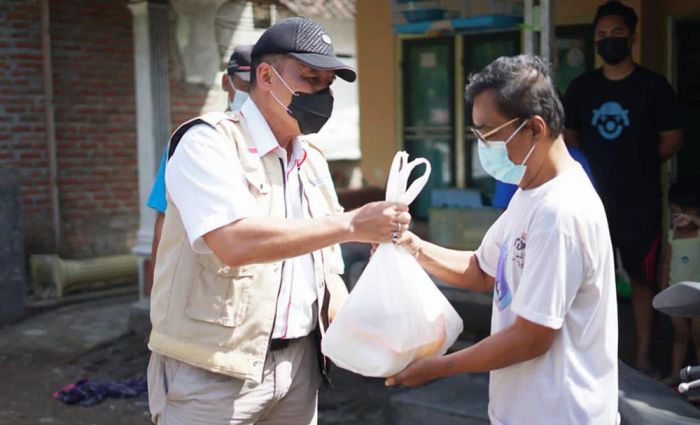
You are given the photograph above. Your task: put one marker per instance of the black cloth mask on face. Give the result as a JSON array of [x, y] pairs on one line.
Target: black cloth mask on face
[[613, 49], [310, 110]]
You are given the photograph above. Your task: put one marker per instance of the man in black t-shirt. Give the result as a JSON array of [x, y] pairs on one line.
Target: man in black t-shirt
[[626, 120]]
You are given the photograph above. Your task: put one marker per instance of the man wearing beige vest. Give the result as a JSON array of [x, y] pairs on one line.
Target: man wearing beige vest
[[248, 263]]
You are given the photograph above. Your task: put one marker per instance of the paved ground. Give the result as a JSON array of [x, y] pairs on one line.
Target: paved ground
[[47, 351]]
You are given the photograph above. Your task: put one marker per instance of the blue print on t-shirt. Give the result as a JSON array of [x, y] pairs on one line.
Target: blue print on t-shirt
[[610, 119], [501, 290]]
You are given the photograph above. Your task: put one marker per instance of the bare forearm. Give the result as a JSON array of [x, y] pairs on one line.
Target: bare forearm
[[521, 341], [664, 270], [667, 151], [157, 232], [664, 278], [500, 350], [670, 142], [338, 293], [264, 239], [261, 240], [457, 268]]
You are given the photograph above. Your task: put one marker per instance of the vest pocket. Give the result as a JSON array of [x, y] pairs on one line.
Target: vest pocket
[[319, 203], [221, 295]]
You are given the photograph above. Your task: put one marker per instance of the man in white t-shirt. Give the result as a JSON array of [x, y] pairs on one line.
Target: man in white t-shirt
[[548, 259]]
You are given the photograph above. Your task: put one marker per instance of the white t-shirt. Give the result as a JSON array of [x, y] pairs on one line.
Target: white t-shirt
[[206, 183], [552, 258]]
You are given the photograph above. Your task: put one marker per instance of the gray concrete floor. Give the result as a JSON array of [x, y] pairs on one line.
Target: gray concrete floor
[[46, 351], [42, 353]]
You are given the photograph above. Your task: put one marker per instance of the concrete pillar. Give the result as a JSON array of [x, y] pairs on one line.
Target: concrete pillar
[[529, 34], [381, 82], [150, 21], [538, 37], [547, 39], [13, 281]]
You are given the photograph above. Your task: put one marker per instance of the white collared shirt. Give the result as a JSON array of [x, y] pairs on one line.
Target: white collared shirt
[[296, 315], [205, 181]]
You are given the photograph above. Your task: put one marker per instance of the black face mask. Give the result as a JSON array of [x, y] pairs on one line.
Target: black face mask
[[613, 49], [310, 110]]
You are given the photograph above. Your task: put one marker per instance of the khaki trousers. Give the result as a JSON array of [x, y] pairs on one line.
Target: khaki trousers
[[180, 394]]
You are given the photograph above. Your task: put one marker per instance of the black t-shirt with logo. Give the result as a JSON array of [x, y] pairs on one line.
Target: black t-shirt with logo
[[619, 124]]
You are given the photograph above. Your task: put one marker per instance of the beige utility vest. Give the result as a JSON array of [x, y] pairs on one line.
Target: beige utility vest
[[217, 317]]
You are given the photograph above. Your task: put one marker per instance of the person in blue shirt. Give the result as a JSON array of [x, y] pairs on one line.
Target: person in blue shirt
[[235, 82], [505, 191]]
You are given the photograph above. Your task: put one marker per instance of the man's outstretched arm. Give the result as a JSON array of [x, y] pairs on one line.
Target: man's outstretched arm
[[264, 239], [522, 341]]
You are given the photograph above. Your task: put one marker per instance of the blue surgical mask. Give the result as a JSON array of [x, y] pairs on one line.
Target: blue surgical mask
[[238, 98], [495, 161]]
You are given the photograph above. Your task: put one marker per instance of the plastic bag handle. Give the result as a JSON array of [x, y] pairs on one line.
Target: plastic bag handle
[[398, 178], [418, 184], [394, 185]]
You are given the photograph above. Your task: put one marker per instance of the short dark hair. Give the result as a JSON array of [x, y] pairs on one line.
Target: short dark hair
[[272, 59], [523, 87], [615, 8], [685, 193]]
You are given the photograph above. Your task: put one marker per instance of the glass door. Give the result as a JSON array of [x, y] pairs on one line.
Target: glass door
[[479, 51], [575, 54], [428, 109]]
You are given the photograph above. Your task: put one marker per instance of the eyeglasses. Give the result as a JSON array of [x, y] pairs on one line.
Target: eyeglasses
[[482, 137]]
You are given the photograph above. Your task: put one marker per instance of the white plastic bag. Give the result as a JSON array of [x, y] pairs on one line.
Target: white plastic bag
[[395, 314]]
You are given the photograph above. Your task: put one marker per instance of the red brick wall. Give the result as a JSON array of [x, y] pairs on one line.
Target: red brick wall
[[186, 99], [94, 104], [22, 129], [93, 70], [92, 59]]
